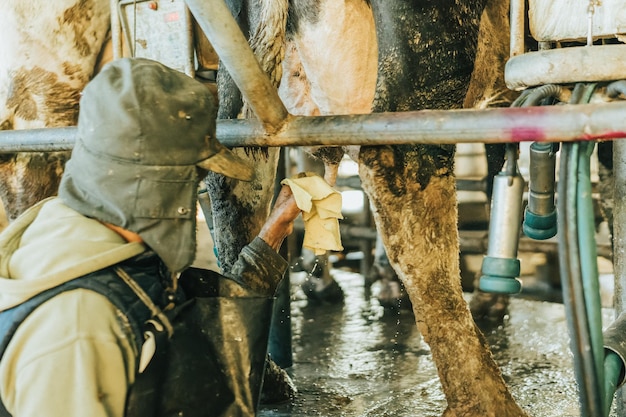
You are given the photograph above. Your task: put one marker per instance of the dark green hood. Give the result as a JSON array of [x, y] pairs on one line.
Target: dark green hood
[[143, 131]]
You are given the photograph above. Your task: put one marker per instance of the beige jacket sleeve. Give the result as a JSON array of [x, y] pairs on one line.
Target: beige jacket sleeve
[[71, 357]]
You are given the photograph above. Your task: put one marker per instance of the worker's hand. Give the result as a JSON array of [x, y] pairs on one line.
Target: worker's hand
[[279, 224]]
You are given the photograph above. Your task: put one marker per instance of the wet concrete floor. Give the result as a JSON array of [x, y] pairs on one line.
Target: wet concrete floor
[[356, 359]]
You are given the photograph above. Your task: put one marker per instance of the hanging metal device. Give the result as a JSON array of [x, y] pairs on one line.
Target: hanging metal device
[[501, 267], [540, 216]]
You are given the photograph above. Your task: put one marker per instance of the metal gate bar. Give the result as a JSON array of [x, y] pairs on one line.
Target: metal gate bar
[[235, 54], [603, 121]]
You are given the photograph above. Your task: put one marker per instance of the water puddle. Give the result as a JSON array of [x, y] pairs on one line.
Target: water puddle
[[355, 359]]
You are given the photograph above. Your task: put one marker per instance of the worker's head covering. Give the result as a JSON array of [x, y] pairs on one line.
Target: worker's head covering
[[143, 131]]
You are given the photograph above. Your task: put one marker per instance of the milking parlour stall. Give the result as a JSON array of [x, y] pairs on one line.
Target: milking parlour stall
[[474, 265]]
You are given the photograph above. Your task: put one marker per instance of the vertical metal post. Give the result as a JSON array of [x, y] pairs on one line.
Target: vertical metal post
[[366, 244], [279, 345], [619, 243], [517, 16], [116, 29], [235, 54]]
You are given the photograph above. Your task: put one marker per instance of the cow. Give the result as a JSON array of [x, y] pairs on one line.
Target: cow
[[426, 52]]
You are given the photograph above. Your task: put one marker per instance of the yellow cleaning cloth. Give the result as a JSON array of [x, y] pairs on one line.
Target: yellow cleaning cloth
[[321, 206]]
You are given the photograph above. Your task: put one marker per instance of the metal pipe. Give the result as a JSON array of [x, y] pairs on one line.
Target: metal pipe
[[189, 57], [497, 125], [506, 214], [566, 65], [50, 139], [116, 29], [541, 198], [619, 243], [476, 242], [218, 24], [540, 214], [517, 13]]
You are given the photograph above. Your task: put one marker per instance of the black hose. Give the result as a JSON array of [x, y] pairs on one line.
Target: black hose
[[569, 262], [539, 94], [591, 398]]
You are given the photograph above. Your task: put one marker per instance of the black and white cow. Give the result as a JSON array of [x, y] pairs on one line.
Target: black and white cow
[[425, 59]]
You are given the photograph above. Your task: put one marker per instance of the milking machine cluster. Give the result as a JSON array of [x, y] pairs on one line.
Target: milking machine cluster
[[501, 267], [560, 73]]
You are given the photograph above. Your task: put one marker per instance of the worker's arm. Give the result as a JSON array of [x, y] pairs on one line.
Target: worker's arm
[[279, 224], [259, 267]]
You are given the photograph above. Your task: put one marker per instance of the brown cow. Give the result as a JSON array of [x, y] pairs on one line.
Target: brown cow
[[49, 53]]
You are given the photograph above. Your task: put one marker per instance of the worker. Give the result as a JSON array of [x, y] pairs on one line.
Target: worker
[[73, 267]]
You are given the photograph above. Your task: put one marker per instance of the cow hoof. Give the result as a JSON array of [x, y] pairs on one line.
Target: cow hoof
[[489, 307], [317, 289], [380, 273], [387, 287], [391, 294]]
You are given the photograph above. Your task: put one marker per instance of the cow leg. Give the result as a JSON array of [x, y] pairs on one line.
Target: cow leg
[[239, 208], [486, 89], [426, 55], [326, 72]]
